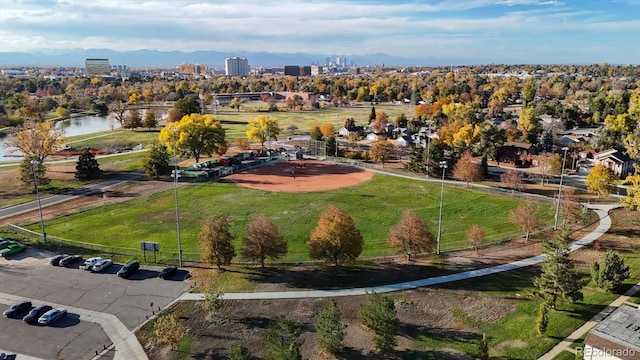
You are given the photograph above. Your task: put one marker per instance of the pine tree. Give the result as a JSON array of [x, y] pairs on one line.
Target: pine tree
[[559, 278], [611, 273], [372, 115], [330, 331], [87, 167], [542, 321], [416, 161], [281, 340], [27, 172], [379, 315]]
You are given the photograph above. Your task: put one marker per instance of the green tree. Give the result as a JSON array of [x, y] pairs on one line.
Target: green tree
[[215, 241], [330, 331], [315, 133], [372, 115], [529, 91], [335, 237], [411, 235], [542, 321], [239, 352], [381, 151], [262, 129], [62, 113], [600, 181], [87, 167], [156, 160], [282, 340], [331, 145], [195, 135], [612, 272], [559, 279], [263, 240], [187, 105], [379, 315], [28, 172]]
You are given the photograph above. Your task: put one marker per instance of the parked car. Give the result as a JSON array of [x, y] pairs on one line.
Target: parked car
[[128, 269], [4, 243], [69, 260], [55, 261], [51, 316], [88, 264], [17, 308], [36, 313], [101, 265], [168, 271], [13, 248]]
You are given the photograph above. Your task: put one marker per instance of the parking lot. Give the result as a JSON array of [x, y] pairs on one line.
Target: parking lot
[[28, 275]]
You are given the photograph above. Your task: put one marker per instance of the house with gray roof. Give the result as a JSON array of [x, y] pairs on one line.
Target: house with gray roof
[[617, 337]]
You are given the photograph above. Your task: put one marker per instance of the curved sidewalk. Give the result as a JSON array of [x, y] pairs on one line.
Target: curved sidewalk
[[603, 227]]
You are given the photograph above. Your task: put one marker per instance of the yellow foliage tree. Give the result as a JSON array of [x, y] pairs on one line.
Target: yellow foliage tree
[[328, 130], [194, 135], [37, 140], [262, 128], [133, 98], [600, 180]]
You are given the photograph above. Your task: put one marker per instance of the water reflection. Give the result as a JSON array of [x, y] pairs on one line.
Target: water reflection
[[81, 125]]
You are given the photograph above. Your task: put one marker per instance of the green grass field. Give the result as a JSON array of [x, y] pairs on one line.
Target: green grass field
[[375, 206]]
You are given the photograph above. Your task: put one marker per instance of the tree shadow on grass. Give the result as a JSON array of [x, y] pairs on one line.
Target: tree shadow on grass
[[513, 281], [339, 277]]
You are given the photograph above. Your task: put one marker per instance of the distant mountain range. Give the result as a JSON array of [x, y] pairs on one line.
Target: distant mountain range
[[168, 59]]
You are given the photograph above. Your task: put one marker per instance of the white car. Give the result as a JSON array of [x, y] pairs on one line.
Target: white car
[[51, 316], [88, 264], [101, 265]]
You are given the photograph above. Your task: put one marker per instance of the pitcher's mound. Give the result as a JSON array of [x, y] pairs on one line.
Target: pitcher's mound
[[301, 176]]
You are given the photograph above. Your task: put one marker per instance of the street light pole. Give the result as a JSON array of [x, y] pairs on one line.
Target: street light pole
[[176, 174], [443, 165], [336, 149], [35, 182], [429, 122], [564, 158]]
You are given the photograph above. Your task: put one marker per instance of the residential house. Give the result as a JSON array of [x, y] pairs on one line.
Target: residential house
[[617, 337], [345, 132], [404, 141], [617, 161], [515, 153]]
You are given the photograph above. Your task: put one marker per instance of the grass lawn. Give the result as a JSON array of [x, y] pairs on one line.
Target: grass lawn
[[375, 206]]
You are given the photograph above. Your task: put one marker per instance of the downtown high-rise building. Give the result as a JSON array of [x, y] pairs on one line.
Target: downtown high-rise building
[[236, 66]]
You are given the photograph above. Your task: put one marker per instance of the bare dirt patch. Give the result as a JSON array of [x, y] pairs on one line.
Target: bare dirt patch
[[301, 176]]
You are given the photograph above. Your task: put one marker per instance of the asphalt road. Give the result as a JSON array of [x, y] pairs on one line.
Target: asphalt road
[[56, 199], [29, 275]]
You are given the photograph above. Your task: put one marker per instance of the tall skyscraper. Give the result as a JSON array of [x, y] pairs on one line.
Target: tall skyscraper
[[236, 66], [97, 66]]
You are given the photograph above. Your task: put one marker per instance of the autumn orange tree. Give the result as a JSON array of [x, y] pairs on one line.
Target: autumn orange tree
[[168, 330], [513, 180], [328, 130], [335, 238], [263, 240], [381, 151], [467, 169], [215, 241], [527, 216], [475, 234], [411, 235], [600, 180]]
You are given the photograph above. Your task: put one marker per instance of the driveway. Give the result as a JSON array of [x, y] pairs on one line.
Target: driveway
[[88, 296]]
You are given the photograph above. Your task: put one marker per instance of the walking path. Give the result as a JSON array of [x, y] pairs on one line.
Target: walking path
[[125, 342], [603, 227], [564, 344]]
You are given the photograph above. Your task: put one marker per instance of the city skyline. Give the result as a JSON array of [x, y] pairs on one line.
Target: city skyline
[[474, 31]]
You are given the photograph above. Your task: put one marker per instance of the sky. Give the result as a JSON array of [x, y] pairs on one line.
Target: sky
[[475, 31]]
